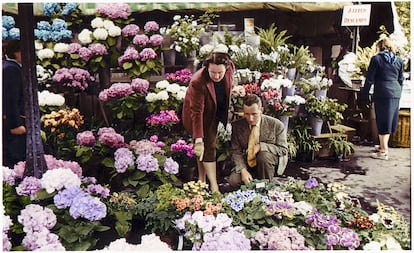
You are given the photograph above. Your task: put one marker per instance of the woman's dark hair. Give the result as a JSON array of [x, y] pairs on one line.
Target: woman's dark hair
[[217, 58], [12, 47], [252, 99]]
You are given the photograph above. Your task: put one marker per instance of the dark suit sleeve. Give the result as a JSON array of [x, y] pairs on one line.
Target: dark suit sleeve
[[12, 80], [369, 78]]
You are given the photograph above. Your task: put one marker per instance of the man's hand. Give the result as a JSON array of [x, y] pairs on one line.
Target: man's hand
[[199, 150], [246, 177]]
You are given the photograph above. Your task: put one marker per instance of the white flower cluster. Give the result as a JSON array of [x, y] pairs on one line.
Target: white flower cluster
[[148, 243], [49, 53], [319, 83], [58, 179], [165, 89], [295, 100], [47, 98], [276, 83], [103, 29]]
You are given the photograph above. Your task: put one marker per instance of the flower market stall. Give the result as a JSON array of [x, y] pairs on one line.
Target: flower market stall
[[120, 168]]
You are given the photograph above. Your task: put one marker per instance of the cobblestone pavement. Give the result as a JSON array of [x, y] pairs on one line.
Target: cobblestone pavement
[[368, 179]]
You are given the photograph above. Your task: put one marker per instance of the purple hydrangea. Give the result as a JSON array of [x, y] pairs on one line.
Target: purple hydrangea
[[130, 30], [65, 197], [151, 26], [9, 175], [232, 238], [30, 186], [183, 146], [140, 86], [147, 54], [147, 163], [145, 147], [86, 138], [123, 159], [97, 189], [88, 207], [182, 76], [171, 166]]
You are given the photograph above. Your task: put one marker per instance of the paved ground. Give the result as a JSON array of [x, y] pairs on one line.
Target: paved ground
[[368, 179]]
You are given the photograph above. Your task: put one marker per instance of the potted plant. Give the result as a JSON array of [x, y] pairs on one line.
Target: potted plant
[[305, 143], [340, 146]]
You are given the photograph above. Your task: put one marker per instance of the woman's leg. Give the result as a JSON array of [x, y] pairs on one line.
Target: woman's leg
[[201, 171], [210, 169]]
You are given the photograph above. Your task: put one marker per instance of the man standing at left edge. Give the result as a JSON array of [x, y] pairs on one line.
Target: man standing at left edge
[[14, 130]]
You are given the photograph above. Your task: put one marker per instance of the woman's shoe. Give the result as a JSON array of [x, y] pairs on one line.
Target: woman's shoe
[[380, 155], [377, 148]]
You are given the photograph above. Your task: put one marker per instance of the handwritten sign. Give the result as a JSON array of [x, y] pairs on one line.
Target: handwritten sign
[[356, 15]]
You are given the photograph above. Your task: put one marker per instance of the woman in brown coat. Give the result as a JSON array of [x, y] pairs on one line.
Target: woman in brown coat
[[206, 103]]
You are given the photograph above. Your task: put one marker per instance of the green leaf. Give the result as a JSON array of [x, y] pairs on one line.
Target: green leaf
[[108, 162], [127, 65]]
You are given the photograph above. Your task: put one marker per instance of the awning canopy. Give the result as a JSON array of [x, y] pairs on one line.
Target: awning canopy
[[89, 8]]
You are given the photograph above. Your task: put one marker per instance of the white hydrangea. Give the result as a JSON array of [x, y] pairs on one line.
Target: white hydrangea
[[295, 100], [162, 84], [114, 31], [97, 23], [46, 53], [85, 37], [38, 45], [107, 24], [163, 95], [148, 243], [47, 98], [151, 97], [61, 47], [173, 88], [58, 179], [181, 93], [100, 34]]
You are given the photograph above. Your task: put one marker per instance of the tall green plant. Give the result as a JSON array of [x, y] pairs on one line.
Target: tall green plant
[[270, 39]]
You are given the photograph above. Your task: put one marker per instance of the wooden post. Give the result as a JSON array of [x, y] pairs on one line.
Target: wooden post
[[35, 160]]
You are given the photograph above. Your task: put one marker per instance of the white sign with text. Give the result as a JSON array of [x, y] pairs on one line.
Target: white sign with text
[[356, 15]]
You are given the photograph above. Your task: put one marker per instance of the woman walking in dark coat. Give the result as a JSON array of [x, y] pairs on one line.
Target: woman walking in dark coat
[[385, 72]]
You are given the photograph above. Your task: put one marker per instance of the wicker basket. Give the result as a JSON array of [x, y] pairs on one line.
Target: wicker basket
[[401, 138]]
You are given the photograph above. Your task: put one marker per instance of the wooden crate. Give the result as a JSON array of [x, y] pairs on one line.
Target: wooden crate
[[401, 138], [349, 131]]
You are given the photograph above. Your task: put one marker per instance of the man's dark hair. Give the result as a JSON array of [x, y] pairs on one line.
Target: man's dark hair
[[252, 99], [12, 47]]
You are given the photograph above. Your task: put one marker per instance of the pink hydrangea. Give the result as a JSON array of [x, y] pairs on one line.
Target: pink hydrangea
[[98, 49], [114, 10], [73, 48], [86, 138], [147, 54], [130, 54], [140, 85], [140, 40], [117, 90], [85, 53], [151, 26], [130, 30], [156, 40]]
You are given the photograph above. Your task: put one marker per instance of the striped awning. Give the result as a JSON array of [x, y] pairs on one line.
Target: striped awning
[[89, 8]]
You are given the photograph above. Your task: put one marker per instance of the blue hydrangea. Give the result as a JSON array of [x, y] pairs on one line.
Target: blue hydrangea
[[4, 33], [56, 31], [14, 34], [69, 8], [50, 8], [8, 22], [59, 24]]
